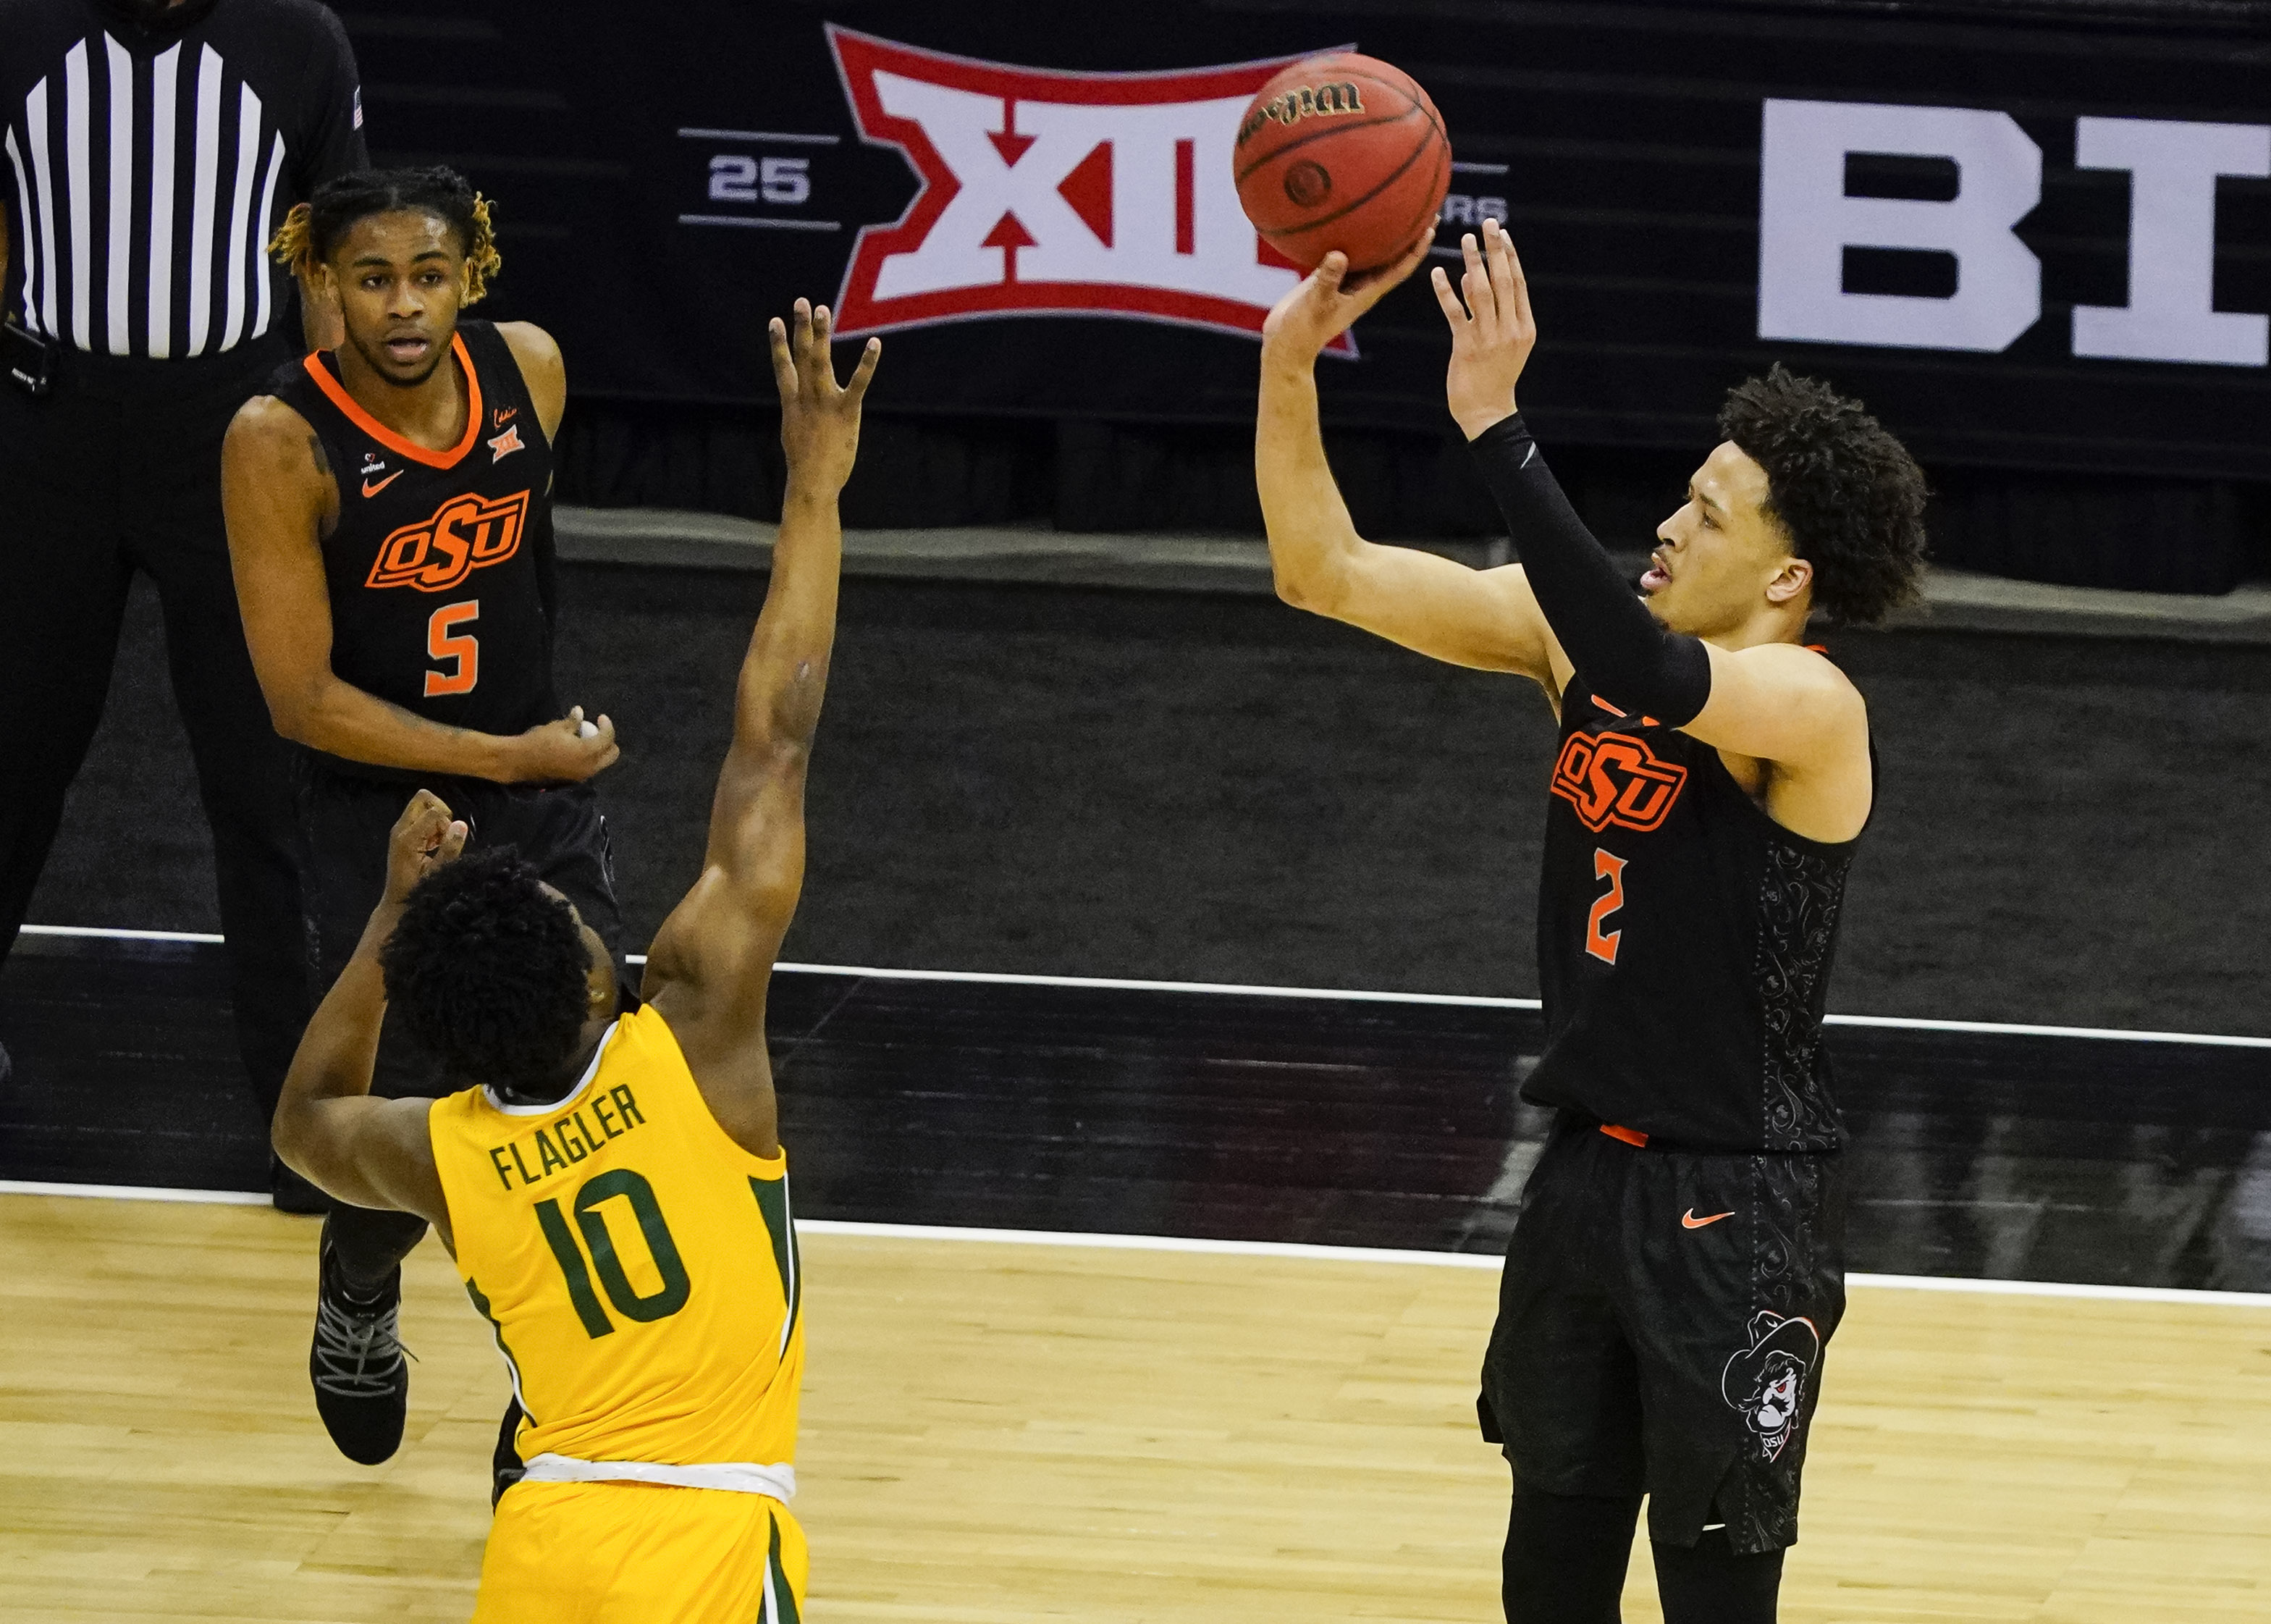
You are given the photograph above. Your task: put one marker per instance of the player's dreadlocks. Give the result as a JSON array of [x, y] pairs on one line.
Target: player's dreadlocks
[[487, 969], [1849, 494], [313, 228]]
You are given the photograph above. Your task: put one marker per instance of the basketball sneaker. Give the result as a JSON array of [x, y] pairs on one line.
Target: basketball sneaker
[[358, 1363]]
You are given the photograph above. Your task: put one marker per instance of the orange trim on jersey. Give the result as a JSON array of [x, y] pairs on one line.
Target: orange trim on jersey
[[336, 393], [1605, 705], [1630, 1135]]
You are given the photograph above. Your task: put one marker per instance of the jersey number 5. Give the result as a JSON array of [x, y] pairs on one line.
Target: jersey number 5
[[460, 652], [1600, 943], [669, 1295]]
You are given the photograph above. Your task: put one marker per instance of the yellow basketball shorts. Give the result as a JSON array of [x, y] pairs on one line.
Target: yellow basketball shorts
[[641, 1553]]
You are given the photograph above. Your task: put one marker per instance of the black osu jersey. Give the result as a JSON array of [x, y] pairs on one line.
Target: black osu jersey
[[1684, 945], [441, 566]]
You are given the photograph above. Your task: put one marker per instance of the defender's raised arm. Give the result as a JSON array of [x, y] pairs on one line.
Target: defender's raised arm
[[711, 959]]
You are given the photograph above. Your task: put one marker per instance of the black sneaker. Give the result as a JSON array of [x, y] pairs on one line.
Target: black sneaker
[[288, 1192], [358, 1363]]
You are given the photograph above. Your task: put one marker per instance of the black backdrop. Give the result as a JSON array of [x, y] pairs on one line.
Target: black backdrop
[[1629, 139]]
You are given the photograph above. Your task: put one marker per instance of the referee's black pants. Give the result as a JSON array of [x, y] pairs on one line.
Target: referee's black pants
[[119, 470]]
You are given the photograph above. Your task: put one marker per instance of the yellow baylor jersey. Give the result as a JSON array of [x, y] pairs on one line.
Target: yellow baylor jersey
[[639, 1267]]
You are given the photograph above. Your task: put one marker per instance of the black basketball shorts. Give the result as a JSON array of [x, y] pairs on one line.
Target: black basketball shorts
[[1661, 1326], [345, 821]]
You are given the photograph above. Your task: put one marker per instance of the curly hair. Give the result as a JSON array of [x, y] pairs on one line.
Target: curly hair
[[313, 228], [1847, 493], [488, 972]]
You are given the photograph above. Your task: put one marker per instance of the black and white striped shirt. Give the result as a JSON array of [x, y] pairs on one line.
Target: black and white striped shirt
[[148, 155]]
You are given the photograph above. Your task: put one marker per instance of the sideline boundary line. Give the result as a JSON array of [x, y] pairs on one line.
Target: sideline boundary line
[[1491, 1260], [134, 1192], [110, 933], [1297, 1250], [1904, 1023]]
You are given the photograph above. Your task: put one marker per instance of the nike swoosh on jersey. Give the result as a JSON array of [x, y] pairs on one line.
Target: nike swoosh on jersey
[[1688, 1220], [369, 489]]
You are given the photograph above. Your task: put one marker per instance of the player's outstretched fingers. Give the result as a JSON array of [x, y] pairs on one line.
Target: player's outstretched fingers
[[823, 334], [861, 375], [1331, 271], [1454, 312], [784, 364], [1510, 287], [1474, 283]]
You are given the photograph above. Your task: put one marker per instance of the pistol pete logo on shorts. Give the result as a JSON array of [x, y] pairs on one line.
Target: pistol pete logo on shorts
[[467, 534], [1057, 194], [1767, 1380], [1612, 777]]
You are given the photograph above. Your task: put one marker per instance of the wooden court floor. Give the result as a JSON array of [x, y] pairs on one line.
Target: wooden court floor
[[1000, 1434]]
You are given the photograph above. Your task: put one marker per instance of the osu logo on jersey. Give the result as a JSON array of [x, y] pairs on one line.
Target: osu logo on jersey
[[467, 534], [1068, 194], [1612, 777]]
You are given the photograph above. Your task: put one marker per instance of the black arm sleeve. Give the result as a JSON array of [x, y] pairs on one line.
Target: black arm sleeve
[[1614, 643]]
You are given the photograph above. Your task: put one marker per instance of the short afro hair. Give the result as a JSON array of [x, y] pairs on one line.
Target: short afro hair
[[487, 972], [1847, 493]]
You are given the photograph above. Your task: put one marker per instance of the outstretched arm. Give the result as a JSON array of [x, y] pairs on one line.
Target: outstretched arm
[[1426, 602], [328, 1129], [713, 957], [1610, 638], [1776, 701]]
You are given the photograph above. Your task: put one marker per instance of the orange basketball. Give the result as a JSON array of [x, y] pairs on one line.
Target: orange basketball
[[1342, 151]]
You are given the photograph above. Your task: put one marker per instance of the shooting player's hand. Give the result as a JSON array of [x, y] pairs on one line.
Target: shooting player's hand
[[1491, 333], [425, 837], [567, 751], [820, 420], [1326, 302]]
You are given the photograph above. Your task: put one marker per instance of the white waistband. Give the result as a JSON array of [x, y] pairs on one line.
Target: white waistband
[[740, 1477]]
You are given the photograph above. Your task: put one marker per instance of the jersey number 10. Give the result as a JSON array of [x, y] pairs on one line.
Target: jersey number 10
[[663, 1302]]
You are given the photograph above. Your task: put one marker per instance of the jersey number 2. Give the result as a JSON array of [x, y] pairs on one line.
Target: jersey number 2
[[1602, 944], [667, 1300], [460, 652]]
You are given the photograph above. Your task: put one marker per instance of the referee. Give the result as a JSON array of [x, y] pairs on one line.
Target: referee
[[147, 152]]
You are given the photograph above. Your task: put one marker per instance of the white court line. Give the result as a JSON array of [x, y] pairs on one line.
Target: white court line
[[127, 935], [1109, 984], [1910, 1023], [1904, 1023], [1486, 1260], [1255, 1248], [134, 1192]]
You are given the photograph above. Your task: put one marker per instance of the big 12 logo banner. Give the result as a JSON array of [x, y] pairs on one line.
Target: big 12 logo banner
[[1050, 193]]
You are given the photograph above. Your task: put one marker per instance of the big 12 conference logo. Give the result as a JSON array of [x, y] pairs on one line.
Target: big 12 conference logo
[[1065, 194]]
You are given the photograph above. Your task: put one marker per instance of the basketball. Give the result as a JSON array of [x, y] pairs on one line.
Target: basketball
[[1342, 151]]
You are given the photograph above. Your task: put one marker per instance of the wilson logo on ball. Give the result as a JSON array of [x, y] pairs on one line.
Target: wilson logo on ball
[[467, 534], [1056, 194], [1309, 101]]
